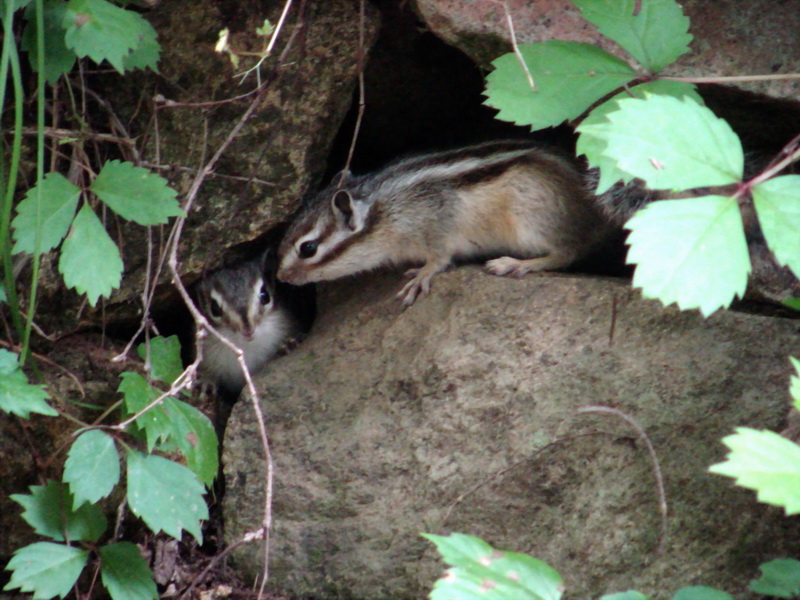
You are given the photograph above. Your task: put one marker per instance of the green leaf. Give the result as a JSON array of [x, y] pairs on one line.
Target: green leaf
[[194, 435], [777, 203], [125, 574], [46, 569], [701, 592], [671, 143], [48, 510], [691, 251], [569, 78], [793, 303], [138, 394], [147, 53], [480, 571], [794, 382], [46, 214], [17, 396], [656, 36], [58, 59], [779, 578], [103, 31], [136, 194], [3, 295], [166, 495], [9, 362], [629, 595], [594, 145], [165, 358], [90, 261], [92, 467], [765, 462]]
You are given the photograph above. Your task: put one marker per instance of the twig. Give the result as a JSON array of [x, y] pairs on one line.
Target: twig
[[514, 45], [733, 78], [362, 105], [251, 536], [157, 167], [662, 496], [790, 153]]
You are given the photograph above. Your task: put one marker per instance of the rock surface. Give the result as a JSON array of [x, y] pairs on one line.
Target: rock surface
[[459, 415], [730, 38]]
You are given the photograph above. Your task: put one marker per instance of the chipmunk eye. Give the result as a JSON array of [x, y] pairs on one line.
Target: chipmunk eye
[[264, 296], [215, 309], [308, 249]]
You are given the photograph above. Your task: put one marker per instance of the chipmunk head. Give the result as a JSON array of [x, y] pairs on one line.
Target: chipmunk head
[[327, 239], [238, 299]]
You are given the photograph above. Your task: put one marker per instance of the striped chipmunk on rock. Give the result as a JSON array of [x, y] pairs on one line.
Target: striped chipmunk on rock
[[524, 206], [252, 310]]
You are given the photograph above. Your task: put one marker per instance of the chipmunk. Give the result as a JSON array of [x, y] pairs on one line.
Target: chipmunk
[[490, 200], [246, 305]]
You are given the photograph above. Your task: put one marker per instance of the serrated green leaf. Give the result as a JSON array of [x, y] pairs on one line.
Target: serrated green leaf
[[167, 496], [629, 595], [90, 261], [58, 59], [147, 53], [165, 358], [17, 396], [48, 511], [135, 193], [194, 435], [103, 31], [569, 78], [656, 36], [125, 574], [777, 203], [480, 571], [594, 145], [765, 462], [92, 467], [46, 213], [779, 578], [138, 394], [671, 143], [46, 569], [701, 592], [691, 251]]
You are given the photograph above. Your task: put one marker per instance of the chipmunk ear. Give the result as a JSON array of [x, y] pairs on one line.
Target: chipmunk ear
[[269, 264], [349, 212]]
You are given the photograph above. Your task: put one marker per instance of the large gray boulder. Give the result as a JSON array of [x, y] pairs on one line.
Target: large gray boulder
[[459, 415]]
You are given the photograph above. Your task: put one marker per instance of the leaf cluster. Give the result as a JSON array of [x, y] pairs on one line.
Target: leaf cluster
[[90, 261], [165, 494], [97, 29], [689, 251]]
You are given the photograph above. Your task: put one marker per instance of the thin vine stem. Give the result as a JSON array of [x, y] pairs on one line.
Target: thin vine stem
[[10, 60], [40, 106]]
